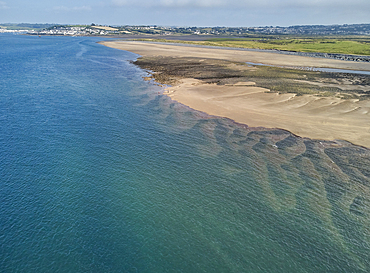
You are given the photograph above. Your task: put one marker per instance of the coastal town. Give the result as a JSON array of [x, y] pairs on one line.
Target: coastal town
[[65, 30], [103, 30]]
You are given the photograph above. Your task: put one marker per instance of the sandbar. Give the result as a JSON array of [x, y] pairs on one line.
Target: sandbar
[[316, 117]]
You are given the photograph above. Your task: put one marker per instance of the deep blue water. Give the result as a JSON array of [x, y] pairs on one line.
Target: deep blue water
[[99, 172]]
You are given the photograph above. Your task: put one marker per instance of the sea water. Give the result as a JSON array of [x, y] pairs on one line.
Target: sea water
[[100, 172]]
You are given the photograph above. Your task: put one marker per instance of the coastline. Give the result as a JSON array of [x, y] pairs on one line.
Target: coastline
[[233, 96]]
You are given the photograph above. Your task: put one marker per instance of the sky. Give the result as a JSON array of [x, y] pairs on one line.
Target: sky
[[233, 13]]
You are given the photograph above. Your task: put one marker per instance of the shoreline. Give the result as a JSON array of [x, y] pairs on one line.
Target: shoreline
[[247, 102], [146, 49], [255, 108], [334, 56]]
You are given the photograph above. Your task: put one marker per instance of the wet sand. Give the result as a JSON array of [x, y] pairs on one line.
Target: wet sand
[[307, 116], [317, 117], [146, 49]]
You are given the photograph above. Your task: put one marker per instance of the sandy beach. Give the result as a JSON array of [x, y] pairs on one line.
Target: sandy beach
[[309, 115]]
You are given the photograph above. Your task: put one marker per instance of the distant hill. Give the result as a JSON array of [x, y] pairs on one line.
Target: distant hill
[[25, 26], [304, 30]]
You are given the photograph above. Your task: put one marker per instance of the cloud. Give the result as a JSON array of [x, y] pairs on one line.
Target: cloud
[[244, 3], [3, 5], [69, 9], [316, 4], [170, 3], [191, 3]]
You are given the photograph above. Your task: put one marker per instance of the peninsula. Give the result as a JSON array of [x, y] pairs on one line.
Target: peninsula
[[286, 92]]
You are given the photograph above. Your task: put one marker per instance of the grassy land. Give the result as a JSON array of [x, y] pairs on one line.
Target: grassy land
[[356, 46]]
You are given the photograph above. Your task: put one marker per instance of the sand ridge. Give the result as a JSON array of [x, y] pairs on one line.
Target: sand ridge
[[308, 116]]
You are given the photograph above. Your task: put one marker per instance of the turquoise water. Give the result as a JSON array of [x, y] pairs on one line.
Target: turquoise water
[[101, 173]]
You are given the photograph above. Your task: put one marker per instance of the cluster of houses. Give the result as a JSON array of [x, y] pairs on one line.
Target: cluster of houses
[[3, 30], [75, 31]]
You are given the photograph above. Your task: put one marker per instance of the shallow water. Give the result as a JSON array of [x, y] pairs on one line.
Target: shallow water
[[101, 173], [320, 69]]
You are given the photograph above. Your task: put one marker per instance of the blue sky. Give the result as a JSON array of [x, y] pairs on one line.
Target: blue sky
[[187, 12]]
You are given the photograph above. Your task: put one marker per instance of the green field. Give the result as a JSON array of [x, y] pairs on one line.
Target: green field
[[25, 26], [356, 46]]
